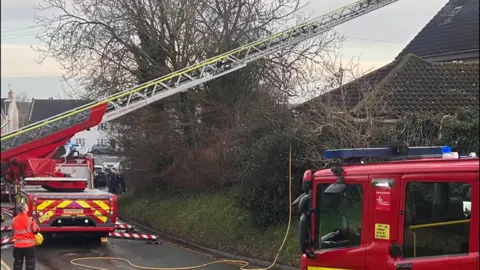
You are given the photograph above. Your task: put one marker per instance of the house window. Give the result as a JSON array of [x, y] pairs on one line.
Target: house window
[[451, 15], [437, 219], [456, 10], [102, 127], [103, 141], [80, 141]]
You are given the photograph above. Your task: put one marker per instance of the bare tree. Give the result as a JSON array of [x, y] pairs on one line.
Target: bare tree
[[111, 45], [22, 97], [348, 110]]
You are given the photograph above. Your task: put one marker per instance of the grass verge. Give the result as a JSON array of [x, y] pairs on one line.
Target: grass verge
[[212, 221]]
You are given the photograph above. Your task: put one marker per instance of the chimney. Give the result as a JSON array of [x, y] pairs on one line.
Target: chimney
[[11, 95]]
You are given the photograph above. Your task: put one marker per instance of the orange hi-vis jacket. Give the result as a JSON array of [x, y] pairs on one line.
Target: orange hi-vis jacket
[[24, 229]]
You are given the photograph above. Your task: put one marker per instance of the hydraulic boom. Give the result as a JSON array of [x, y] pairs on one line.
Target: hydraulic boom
[[42, 139]]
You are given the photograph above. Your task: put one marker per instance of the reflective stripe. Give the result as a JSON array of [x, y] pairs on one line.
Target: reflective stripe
[[29, 225], [25, 241]]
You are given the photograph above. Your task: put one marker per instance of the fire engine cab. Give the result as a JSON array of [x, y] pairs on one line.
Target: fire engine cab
[[419, 210]]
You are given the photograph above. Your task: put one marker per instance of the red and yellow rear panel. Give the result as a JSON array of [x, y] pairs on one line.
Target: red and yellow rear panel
[[87, 211], [98, 210]]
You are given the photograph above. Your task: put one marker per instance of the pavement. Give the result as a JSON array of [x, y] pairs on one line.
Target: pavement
[[57, 254]]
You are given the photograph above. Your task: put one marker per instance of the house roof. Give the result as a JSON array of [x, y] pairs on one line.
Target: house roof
[[454, 29], [412, 85], [45, 108]]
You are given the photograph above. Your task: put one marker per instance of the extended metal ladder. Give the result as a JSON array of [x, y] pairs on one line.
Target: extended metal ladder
[[130, 100]]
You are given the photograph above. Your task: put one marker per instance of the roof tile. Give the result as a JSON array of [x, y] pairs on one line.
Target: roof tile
[[448, 31], [45, 108], [413, 85]]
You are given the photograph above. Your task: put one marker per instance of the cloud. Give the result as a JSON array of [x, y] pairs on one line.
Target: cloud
[[19, 61]]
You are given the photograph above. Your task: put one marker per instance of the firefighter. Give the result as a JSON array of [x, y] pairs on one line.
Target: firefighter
[[121, 183], [24, 229], [124, 185], [113, 183]]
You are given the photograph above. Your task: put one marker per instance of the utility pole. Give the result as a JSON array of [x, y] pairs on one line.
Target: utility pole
[[339, 76]]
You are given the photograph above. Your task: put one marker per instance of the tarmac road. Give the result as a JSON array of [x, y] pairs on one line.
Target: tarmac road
[[57, 255]]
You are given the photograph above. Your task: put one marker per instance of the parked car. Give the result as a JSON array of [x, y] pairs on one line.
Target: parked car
[[100, 149]]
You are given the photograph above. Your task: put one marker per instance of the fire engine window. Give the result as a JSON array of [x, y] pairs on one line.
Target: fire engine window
[[437, 219], [338, 218]]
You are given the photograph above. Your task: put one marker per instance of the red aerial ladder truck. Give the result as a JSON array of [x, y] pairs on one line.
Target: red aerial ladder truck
[[31, 154], [418, 211]]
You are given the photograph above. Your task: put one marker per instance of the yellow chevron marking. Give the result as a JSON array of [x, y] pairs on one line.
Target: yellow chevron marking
[[44, 204], [64, 204], [102, 205], [84, 204], [46, 216], [100, 216]]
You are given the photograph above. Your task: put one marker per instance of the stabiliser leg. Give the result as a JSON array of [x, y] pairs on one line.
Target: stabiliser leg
[[150, 238], [125, 228]]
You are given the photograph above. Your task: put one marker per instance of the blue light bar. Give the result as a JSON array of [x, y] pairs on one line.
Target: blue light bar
[[385, 152]]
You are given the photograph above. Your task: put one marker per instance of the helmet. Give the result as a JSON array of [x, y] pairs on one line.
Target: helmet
[[38, 239]]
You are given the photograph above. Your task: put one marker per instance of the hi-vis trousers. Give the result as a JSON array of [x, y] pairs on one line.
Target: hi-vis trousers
[[19, 254]]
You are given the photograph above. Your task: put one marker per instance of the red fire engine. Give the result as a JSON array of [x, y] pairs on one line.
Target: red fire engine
[[59, 190], [417, 212]]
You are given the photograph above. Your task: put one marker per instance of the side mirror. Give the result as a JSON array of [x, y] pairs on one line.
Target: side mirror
[[297, 201], [305, 243], [335, 188], [302, 203]]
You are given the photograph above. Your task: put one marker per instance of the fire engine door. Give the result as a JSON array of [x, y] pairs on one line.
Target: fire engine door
[[337, 229], [438, 227]]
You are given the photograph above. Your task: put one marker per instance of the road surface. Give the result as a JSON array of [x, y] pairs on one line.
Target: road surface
[[57, 255]]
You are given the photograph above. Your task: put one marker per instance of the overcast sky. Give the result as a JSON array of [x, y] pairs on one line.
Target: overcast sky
[[376, 38]]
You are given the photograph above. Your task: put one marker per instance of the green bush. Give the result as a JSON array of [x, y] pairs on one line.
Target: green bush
[[462, 132], [262, 170]]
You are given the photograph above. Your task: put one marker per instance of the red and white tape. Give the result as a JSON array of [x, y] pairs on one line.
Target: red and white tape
[[6, 228], [8, 240], [137, 236]]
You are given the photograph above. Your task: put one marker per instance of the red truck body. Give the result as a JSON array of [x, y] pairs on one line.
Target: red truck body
[[92, 211], [436, 230], [59, 191]]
